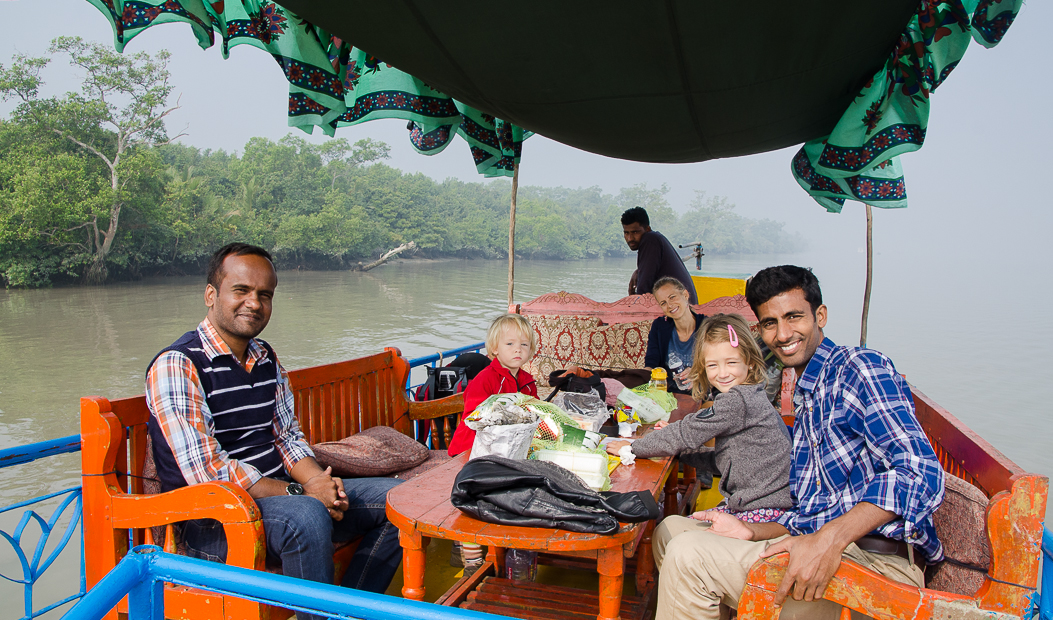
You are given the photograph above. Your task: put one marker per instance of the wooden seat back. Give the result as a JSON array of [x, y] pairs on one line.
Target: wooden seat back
[[332, 401], [337, 400]]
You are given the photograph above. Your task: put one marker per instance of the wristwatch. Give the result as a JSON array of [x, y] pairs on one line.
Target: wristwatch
[[294, 488]]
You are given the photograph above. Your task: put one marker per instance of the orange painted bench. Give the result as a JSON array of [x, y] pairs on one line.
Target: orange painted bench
[[332, 401], [1015, 510]]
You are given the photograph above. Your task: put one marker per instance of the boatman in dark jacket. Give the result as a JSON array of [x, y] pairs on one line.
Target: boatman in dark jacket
[[221, 409], [864, 477], [655, 259]]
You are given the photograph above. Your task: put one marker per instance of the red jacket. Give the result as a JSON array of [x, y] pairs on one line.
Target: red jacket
[[494, 379]]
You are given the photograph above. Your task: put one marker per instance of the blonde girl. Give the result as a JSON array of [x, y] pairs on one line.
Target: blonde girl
[[752, 445]]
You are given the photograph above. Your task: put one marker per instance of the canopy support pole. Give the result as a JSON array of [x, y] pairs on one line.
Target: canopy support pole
[[512, 234], [870, 276]]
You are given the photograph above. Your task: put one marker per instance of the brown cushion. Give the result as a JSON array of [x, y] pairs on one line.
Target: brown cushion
[[376, 451], [961, 526]]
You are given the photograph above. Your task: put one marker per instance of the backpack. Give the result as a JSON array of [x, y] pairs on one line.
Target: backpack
[[442, 382], [446, 381]]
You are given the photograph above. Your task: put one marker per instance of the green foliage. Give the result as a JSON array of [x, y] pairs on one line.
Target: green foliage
[[314, 206], [54, 192]]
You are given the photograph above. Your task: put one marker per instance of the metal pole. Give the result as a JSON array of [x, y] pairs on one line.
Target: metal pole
[[146, 599], [870, 275], [512, 234]]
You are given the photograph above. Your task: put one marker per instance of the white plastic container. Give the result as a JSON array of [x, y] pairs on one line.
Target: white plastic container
[[590, 467]]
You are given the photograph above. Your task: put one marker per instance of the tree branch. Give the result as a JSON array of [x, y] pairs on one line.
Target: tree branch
[[87, 147], [52, 235]]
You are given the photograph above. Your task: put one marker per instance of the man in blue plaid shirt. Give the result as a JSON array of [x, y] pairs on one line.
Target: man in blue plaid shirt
[[865, 479]]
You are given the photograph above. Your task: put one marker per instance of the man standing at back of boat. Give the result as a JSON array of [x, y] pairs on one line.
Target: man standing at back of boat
[[222, 410], [864, 476], [656, 258]]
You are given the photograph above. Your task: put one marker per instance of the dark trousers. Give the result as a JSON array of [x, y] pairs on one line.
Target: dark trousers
[[300, 534]]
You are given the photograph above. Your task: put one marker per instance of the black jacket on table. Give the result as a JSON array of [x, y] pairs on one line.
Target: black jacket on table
[[542, 494]]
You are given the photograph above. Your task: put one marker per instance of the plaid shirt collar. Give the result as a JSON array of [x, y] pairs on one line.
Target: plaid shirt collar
[[814, 370], [214, 345]]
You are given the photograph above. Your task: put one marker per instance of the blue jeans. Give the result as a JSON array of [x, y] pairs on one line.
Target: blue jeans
[[300, 534]]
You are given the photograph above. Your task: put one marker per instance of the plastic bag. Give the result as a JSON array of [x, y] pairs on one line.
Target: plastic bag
[[511, 441], [587, 410], [628, 421], [647, 409], [503, 426], [664, 399]]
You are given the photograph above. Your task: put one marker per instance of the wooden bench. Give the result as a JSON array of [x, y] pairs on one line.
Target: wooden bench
[[332, 401], [1015, 511]]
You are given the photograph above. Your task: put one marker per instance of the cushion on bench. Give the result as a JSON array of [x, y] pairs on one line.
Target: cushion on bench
[[961, 525], [376, 451]]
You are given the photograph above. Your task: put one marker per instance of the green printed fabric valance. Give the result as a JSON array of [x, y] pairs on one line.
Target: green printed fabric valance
[[859, 159], [331, 83], [679, 81]]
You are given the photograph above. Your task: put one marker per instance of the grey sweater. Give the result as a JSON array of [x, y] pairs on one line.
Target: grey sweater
[[752, 448]]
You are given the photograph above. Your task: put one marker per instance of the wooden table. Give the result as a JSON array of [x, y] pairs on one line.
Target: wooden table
[[421, 509]]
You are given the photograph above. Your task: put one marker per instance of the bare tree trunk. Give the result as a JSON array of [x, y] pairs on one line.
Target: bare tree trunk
[[512, 235], [98, 272], [387, 256], [870, 274]]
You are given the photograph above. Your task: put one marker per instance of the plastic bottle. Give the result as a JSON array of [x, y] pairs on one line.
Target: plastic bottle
[[658, 379], [676, 366], [521, 564]]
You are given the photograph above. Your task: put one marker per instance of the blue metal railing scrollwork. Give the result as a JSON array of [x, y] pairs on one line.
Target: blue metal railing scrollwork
[[35, 566]]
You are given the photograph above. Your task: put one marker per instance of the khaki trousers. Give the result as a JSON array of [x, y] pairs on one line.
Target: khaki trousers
[[700, 570]]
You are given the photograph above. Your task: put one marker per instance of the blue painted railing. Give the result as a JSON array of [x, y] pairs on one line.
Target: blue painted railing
[[141, 576], [1045, 598], [34, 563]]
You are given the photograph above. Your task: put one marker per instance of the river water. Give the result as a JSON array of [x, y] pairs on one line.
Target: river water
[[968, 344]]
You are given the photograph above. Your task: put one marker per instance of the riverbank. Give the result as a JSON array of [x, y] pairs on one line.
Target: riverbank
[[200, 267]]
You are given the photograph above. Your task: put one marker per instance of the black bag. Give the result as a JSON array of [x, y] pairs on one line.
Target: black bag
[[446, 381], [574, 383], [451, 379], [542, 494]]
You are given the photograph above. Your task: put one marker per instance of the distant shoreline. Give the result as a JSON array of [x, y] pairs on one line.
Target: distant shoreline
[[161, 274]]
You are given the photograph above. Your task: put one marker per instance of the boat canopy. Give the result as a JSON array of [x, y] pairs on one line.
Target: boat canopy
[[672, 82]]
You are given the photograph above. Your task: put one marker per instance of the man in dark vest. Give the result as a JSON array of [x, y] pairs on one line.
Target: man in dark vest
[[222, 410], [655, 257]]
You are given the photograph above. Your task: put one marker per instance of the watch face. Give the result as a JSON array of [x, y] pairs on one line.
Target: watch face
[[294, 488]]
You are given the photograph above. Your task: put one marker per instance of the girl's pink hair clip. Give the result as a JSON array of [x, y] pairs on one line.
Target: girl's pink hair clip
[[733, 338]]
